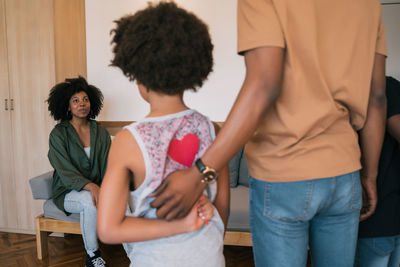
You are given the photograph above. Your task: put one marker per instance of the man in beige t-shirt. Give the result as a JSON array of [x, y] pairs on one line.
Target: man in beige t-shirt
[[315, 78]]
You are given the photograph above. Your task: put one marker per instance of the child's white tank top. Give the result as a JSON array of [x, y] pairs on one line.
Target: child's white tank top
[[169, 143]]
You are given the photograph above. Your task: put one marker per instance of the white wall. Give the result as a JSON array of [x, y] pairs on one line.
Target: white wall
[[122, 101], [391, 19]]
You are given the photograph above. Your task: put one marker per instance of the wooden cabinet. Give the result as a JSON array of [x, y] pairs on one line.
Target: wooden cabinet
[[32, 59], [7, 206], [69, 38], [27, 72]]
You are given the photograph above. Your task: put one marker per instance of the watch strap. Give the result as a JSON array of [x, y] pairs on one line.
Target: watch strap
[[200, 165]]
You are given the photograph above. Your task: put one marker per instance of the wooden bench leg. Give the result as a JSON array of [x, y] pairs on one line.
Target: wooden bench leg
[[41, 240]]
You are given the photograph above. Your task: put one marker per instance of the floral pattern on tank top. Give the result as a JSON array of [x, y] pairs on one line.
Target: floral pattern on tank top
[[168, 143]]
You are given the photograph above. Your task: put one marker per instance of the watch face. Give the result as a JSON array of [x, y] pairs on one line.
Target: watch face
[[210, 175]]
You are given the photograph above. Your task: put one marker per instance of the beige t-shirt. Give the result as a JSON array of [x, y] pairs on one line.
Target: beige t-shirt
[[330, 45]]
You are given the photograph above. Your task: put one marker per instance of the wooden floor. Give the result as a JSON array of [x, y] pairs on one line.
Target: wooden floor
[[19, 250]]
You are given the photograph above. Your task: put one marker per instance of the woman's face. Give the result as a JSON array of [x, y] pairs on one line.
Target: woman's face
[[79, 105]]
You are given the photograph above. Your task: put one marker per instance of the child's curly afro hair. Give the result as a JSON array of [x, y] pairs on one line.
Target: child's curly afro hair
[[164, 47], [61, 93]]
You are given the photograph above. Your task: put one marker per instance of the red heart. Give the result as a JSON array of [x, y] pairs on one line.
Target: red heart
[[184, 151]]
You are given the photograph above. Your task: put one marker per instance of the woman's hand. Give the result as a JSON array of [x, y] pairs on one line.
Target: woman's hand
[[94, 192]]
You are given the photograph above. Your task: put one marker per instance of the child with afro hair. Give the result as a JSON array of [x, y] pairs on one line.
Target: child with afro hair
[[167, 51]]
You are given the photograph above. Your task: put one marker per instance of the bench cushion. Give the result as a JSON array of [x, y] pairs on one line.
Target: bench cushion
[[234, 170], [243, 172], [51, 211], [41, 186], [238, 171], [239, 215]]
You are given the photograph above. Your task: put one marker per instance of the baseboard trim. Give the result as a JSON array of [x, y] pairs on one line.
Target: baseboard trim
[[18, 231]]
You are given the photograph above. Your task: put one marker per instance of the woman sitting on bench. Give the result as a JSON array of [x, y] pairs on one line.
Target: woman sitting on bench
[[78, 149]]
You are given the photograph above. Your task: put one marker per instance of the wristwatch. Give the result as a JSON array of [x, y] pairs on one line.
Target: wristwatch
[[209, 174]]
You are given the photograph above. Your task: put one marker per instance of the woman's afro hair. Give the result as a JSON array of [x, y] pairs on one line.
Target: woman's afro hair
[[61, 93], [164, 47]]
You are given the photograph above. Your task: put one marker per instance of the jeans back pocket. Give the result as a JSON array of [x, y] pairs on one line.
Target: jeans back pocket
[[287, 201]]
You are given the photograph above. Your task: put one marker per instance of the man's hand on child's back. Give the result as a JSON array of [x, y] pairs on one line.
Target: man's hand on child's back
[[177, 194]]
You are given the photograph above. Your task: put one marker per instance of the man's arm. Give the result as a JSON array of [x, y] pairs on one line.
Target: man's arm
[[371, 137], [222, 199], [261, 88]]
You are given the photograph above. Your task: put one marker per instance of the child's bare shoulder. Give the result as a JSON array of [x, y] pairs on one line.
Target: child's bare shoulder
[[123, 139], [127, 150], [125, 144]]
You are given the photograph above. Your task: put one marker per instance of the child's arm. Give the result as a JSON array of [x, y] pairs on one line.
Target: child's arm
[[112, 224], [222, 199]]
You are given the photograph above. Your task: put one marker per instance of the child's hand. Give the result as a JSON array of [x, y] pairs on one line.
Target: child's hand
[[192, 222], [202, 211], [205, 208]]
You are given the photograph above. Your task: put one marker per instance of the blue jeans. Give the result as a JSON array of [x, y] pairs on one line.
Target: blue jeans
[[81, 202], [378, 252], [287, 218]]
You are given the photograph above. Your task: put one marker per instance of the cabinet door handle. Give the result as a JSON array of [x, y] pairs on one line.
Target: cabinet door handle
[[6, 104], [11, 104]]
